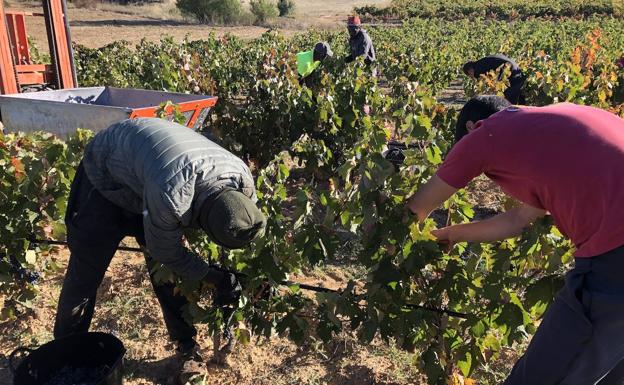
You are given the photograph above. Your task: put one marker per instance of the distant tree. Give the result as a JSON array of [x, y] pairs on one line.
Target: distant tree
[[286, 7], [212, 11]]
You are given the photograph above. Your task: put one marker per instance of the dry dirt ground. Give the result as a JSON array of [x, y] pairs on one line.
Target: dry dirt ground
[[128, 308], [104, 23]]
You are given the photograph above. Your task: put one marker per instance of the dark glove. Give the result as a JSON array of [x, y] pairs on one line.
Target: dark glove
[[228, 290], [227, 287]]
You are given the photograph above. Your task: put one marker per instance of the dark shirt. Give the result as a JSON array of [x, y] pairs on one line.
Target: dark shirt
[[361, 44], [489, 63]]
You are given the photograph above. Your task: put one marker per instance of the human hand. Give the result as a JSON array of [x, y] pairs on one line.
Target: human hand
[[226, 285], [444, 238], [228, 290]]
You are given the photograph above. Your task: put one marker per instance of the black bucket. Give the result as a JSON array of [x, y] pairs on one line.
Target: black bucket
[[95, 351]]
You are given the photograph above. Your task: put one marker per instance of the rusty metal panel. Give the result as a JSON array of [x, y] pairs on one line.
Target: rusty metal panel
[[58, 40], [29, 74], [8, 80], [63, 50], [27, 78], [19, 38]]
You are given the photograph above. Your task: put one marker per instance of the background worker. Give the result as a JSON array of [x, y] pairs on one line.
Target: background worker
[[152, 179], [513, 93], [567, 160], [360, 44], [309, 61]]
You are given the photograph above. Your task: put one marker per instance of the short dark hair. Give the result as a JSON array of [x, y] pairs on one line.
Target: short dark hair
[[478, 108], [468, 66]]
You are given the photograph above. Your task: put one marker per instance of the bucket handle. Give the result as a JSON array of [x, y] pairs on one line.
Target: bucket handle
[[14, 354]]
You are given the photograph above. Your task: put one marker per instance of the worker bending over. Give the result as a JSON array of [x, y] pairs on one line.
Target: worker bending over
[[566, 160], [513, 93], [309, 61], [152, 179]]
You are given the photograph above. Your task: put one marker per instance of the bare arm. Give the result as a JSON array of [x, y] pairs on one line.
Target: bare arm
[[502, 226], [431, 195]]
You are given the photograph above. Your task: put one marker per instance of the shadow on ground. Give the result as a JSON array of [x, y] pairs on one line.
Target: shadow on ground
[[454, 96], [160, 371]]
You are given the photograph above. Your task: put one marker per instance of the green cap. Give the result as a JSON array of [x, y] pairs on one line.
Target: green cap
[[232, 220]]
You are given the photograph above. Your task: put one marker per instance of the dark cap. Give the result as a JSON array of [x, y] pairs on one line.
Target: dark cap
[[323, 49], [232, 219]]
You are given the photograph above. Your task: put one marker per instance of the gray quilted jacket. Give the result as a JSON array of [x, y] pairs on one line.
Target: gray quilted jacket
[[164, 171]]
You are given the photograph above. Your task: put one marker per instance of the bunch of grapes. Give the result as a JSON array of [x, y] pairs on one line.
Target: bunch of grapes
[[20, 273]]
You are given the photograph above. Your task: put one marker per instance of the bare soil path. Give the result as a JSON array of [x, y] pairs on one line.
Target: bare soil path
[[454, 95], [128, 308], [104, 23]]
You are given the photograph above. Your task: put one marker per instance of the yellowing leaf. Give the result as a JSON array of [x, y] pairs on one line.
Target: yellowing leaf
[[19, 169], [243, 334], [457, 379], [422, 234], [31, 257], [602, 96]]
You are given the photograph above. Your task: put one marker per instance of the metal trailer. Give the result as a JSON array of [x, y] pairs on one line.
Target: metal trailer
[[17, 71], [63, 111]]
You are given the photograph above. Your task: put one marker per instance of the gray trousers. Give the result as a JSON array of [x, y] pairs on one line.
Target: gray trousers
[[581, 338]]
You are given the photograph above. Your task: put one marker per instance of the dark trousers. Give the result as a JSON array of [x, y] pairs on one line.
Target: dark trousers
[[581, 338], [95, 227], [513, 93]]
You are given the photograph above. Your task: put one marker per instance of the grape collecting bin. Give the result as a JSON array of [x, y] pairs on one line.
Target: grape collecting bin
[[95, 108]]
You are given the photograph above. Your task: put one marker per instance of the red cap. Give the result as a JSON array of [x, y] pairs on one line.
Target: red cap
[[354, 20]]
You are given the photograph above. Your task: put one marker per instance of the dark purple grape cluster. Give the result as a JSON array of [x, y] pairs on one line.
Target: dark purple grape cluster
[[20, 273]]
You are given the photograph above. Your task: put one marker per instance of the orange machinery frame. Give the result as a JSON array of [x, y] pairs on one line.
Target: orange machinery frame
[[194, 108], [16, 68]]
